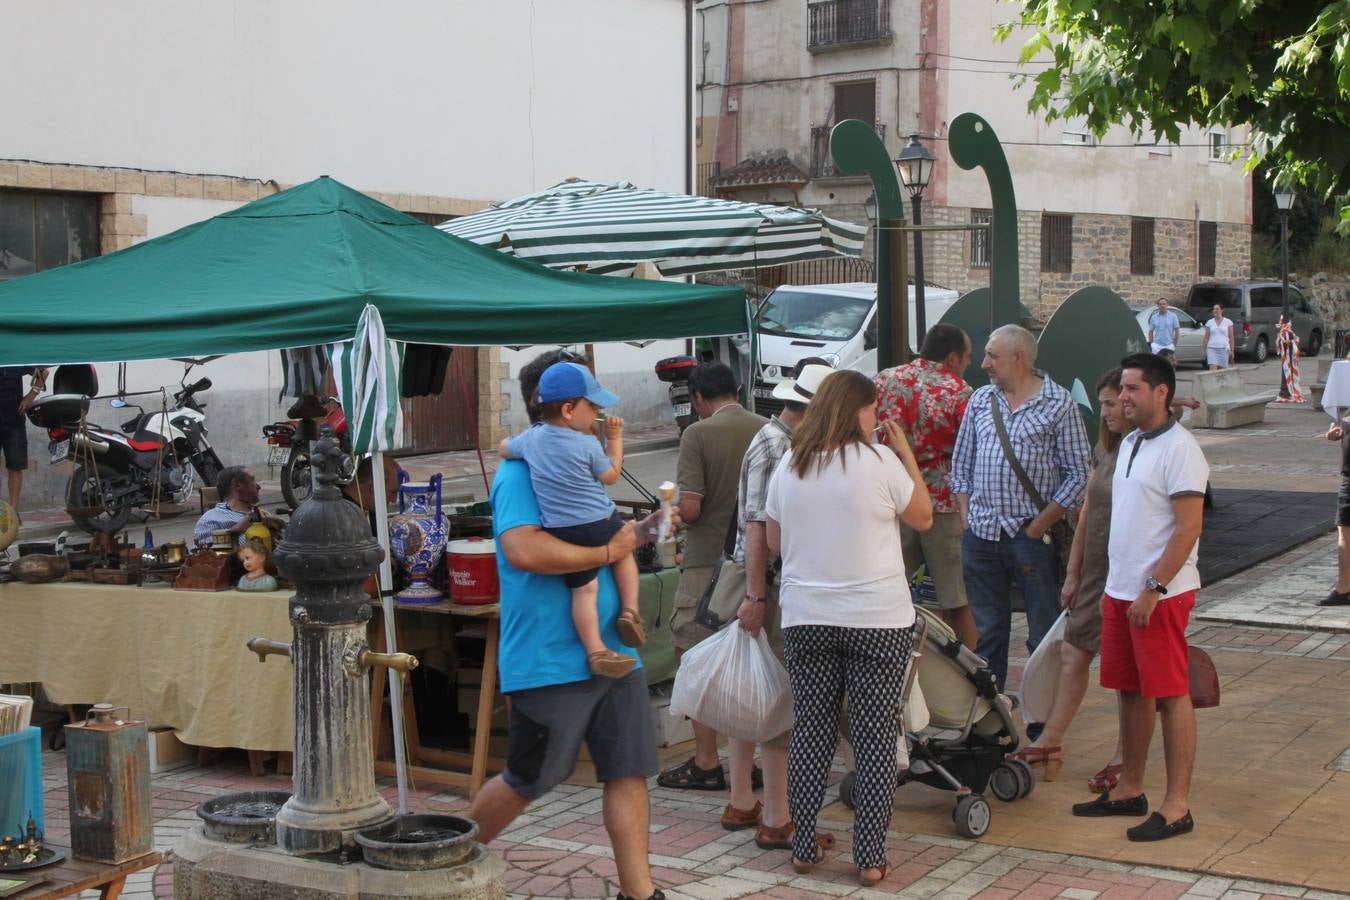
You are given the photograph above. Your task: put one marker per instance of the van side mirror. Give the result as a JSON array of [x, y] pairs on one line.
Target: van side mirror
[[870, 335]]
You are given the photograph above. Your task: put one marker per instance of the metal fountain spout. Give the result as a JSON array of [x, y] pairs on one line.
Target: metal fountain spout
[[265, 648]]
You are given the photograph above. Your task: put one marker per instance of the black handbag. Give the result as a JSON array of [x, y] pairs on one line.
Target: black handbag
[[1060, 533]]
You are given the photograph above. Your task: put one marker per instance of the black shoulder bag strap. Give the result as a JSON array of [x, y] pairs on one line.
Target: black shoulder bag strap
[[1020, 472]]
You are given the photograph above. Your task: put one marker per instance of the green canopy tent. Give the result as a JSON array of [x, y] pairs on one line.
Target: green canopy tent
[[321, 263], [298, 268]]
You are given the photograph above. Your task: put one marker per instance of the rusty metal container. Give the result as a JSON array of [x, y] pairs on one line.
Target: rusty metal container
[[108, 772]]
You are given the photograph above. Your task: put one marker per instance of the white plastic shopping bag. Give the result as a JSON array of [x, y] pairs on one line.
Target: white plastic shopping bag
[[732, 683], [1040, 678]]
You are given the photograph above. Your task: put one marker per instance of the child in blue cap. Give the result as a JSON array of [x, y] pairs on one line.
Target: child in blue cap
[[568, 469]]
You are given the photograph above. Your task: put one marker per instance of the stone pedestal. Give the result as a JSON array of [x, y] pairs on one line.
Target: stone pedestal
[[211, 870]]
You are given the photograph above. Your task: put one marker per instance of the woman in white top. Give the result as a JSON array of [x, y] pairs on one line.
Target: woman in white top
[[1219, 344], [833, 513]]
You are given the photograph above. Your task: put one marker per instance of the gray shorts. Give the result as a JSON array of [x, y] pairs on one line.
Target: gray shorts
[[612, 715]]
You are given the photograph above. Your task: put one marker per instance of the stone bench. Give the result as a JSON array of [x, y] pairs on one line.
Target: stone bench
[[1225, 401], [1314, 373]]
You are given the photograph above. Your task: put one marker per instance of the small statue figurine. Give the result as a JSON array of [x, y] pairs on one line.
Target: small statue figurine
[[253, 556]]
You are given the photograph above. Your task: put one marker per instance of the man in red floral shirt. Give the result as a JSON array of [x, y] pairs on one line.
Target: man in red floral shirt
[[928, 398]]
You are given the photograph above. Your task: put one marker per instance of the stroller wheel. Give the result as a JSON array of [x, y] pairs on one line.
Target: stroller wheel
[[846, 789], [1026, 778], [1006, 782], [972, 816]]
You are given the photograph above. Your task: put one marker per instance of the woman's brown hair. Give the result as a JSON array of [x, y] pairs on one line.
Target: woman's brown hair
[[1106, 438], [831, 421]]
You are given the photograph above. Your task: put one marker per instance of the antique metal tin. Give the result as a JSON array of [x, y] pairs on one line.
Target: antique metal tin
[[108, 772]]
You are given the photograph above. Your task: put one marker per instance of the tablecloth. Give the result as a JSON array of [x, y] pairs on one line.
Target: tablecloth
[[177, 658], [1337, 394]]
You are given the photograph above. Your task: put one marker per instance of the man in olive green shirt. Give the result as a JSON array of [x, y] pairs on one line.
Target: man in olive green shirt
[[709, 472]]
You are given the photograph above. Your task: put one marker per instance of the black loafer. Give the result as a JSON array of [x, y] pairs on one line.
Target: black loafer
[[1335, 599], [1155, 828], [1105, 806]]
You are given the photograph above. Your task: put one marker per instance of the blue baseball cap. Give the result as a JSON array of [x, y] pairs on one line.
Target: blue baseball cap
[[566, 381]]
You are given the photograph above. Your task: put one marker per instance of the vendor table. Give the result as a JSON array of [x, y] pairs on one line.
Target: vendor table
[[176, 658], [449, 764], [71, 877], [656, 599]]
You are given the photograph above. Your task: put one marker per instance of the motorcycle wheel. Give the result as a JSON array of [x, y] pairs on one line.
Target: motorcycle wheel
[[83, 492], [296, 481], [208, 466]]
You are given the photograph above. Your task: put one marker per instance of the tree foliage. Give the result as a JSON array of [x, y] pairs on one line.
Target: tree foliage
[[1281, 67]]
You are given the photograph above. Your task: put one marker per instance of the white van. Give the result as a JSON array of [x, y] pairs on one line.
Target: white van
[[837, 322]]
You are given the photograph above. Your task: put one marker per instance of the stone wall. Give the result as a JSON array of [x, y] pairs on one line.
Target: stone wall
[[1330, 296], [1101, 255]]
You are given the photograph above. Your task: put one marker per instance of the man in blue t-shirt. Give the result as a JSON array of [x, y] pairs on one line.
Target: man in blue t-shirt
[[1164, 329], [556, 702]]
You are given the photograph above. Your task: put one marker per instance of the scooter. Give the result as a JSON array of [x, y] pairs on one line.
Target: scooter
[[156, 457], [675, 370], [291, 439]]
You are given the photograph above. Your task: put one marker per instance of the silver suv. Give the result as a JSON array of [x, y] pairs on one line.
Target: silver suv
[[1254, 306]]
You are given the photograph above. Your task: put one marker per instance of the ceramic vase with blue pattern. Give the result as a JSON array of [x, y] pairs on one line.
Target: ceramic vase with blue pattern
[[417, 537]]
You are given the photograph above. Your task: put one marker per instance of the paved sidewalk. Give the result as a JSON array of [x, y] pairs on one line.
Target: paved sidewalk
[[560, 849], [1283, 592]]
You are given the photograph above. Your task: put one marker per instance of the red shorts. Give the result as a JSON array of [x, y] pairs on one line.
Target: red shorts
[[1153, 660]]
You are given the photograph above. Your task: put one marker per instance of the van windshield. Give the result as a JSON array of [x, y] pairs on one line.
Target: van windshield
[[803, 314], [1204, 296]]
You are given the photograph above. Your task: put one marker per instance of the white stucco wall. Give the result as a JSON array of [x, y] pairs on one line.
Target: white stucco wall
[[1111, 177], [448, 98], [444, 97]]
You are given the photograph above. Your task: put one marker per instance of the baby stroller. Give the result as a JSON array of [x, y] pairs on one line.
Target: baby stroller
[[959, 728]]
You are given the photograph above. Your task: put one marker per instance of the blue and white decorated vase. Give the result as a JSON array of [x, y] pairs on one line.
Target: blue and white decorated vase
[[417, 537]]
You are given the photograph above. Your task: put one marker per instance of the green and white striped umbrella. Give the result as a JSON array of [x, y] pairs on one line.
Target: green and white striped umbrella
[[367, 371], [610, 228]]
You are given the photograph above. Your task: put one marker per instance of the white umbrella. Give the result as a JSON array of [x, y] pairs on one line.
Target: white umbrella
[[367, 370], [610, 228]]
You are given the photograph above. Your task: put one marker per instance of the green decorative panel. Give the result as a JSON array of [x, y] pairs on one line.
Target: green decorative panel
[[1089, 334]]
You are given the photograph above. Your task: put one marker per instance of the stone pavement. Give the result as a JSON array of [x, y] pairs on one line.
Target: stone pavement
[[560, 849], [1284, 592], [1272, 779]]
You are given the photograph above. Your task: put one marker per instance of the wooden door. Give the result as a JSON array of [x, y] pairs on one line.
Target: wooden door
[[444, 421]]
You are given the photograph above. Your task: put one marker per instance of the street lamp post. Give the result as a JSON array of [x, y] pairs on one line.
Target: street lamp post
[[915, 165], [1284, 199]]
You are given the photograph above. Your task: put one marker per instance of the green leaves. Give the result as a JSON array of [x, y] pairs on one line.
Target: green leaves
[[1282, 68]]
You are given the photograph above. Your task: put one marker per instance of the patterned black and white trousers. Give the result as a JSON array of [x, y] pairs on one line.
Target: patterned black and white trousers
[[827, 663]]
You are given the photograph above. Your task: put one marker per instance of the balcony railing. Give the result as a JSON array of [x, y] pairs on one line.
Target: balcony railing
[[841, 23], [822, 163]]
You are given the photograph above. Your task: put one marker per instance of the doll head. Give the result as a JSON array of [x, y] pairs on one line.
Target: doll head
[[253, 556]]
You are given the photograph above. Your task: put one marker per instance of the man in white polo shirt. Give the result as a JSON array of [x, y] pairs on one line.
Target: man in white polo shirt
[[1156, 515]]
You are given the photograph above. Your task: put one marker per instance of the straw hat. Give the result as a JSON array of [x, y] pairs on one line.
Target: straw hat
[[802, 388]]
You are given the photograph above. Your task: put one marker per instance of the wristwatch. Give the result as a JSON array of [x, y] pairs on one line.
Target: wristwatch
[[754, 599], [1154, 585]]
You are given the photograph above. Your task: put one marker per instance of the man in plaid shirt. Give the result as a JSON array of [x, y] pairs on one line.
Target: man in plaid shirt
[[928, 398], [1006, 536]]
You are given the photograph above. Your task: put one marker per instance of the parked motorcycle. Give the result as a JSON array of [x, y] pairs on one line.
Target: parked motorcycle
[[291, 439], [156, 456], [676, 370]]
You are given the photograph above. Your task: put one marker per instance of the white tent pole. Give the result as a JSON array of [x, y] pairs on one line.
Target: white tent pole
[[387, 607]]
